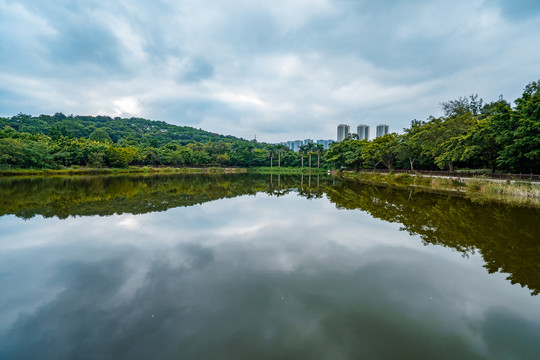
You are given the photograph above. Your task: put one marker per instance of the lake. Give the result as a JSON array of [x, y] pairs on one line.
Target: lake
[[262, 267]]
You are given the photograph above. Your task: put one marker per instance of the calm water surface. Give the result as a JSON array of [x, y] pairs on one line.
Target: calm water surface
[[261, 267]]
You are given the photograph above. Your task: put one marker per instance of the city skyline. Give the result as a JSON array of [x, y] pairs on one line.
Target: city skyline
[[294, 145], [343, 131], [362, 130]]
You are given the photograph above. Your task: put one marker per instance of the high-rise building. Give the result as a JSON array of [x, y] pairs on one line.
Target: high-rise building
[[382, 130], [343, 131], [363, 132], [295, 144], [325, 143], [290, 145]]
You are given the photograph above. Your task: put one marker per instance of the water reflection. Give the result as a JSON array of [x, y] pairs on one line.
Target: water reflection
[[93, 195], [506, 236], [265, 276]]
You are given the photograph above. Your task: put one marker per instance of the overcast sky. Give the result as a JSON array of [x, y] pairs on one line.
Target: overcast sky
[[280, 69]]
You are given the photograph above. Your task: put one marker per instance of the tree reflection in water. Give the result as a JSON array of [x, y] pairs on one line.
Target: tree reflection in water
[[507, 236]]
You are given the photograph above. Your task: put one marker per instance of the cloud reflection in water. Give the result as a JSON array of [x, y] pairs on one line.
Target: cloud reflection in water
[[251, 277]]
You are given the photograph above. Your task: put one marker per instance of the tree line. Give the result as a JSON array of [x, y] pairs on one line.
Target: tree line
[[58, 141], [471, 134]]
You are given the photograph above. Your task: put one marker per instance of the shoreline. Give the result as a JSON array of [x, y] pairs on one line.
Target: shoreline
[[286, 170], [75, 171], [477, 189], [120, 171]]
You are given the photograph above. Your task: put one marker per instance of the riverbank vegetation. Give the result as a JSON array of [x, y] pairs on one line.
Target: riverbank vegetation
[[479, 188], [120, 171], [287, 170]]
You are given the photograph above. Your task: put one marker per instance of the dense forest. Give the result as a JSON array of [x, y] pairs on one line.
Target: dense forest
[[470, 135], [58, 141]]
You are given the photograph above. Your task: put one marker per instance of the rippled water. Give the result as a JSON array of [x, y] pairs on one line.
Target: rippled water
[[254, 267]]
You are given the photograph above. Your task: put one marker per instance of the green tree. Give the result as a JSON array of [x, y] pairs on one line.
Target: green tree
[[409, 149], [120, 157], [518, 131], [347, 153], [436, 134], [462, 106], [382, 150], [477, 144], [100, 135]]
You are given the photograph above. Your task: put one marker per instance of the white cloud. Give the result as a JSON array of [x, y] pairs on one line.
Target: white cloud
[[127, 107], [281, 70]]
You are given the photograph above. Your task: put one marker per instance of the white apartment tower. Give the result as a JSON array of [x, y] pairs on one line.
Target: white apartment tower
[[363, 132], [343, 131], [382, 130]]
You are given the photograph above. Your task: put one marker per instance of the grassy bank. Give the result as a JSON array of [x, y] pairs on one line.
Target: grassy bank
[[286, 170], [476, 188], [114, 171]]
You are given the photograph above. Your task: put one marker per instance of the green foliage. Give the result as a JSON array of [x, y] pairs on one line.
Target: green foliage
[[134, 131], [409, 150], [120, 157], [66, 141], [382, 150], [348, 153], [462, 106], [518, 132], [27, 154], [100, 135]]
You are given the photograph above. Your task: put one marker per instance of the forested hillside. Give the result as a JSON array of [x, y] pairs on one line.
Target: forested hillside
[[132, 131], [58, 141]]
